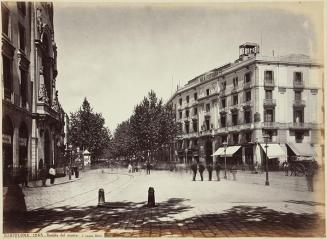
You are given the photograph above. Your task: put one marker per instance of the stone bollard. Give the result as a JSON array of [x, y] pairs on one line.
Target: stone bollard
[[151, 198], [101, 199]]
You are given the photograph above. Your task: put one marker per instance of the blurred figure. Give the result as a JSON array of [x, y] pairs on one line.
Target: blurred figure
[[69, 172], [52, 174], [218, 168], [43, 175], [209, 168], [201, 170], [194, 168], [148, 167], [130, 168], [286, 167], [233, 170], [309, 174], [24, 175]]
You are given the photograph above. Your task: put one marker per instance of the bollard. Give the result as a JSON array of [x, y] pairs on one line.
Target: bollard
[[101, 199], [151, 199]]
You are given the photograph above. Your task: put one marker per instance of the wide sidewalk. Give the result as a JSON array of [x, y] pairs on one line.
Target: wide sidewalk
[[245, 207]]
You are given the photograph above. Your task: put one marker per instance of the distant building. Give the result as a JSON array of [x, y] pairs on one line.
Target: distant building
[[238, 103], [32, 117]]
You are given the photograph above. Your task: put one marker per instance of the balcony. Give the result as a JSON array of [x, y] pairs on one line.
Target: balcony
[[298, 84], [221, 130], [190, 135], [270, 125], [247, 104], [298, 103], [247, 85], [269, 102], [234, 127], [246, 126], [194, 117], [235, 88], [222, 92], [207, 114], [301, 126], [269, 83]]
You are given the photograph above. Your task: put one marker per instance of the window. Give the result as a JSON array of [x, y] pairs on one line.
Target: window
[[235, 138], [23, 88], [223, 85], [269, 133], [5, 20], [235, 99], [180, 101], [268, 94], [180, 114], [187, 127], [22, 7], [207, 124], [268, 77], [187, 113], [224, 138], [248, 136], [195, 111], [195, 96], [207, 107], [235, 82], [7, 76], [297, 95], [195, 142], [21, 37], [269, 115], [187, 99], [247, 77], [298, 116], [208, 92], [234, 118], [223, 120], [299, 137], [223, 103], [247, 116], [247, 96], [195, 125], [298, 77]]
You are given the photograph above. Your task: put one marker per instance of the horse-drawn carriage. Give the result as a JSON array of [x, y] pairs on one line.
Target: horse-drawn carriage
[[299, 166]]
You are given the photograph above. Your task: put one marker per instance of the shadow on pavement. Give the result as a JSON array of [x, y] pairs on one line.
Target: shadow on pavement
[[130, 219], [308, 203]]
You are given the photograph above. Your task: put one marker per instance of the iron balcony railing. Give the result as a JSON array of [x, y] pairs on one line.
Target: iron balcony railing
[[298, 83], [269, 102], [269, 83], [298, 102]]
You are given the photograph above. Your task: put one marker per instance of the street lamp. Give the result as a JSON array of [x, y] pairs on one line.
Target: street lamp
[[70, 154], [266, 137], [225, 147]]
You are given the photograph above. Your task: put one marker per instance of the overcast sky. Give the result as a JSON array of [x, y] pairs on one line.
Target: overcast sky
[[114, 54]]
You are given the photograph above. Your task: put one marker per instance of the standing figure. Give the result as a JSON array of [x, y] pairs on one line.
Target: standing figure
[[194, 168], [209, 168], [24, 175], [44, 175], [218, 168], [148, 167], [130, 168], [286, 168], [201, 169], [309, 174], [69, 172], [52, 174], [233, 170]]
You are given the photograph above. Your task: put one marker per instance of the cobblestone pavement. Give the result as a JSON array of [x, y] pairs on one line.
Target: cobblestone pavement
[[183, 208]]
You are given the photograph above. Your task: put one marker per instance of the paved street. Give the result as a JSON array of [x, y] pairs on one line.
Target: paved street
[[184, 208]]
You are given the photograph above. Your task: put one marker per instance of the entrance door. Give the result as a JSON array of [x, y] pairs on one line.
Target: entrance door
[[47, 151], [208, 152], [7, 150]]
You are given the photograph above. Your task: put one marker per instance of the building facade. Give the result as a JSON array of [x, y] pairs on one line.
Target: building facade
[[280, 98], [32, 117]]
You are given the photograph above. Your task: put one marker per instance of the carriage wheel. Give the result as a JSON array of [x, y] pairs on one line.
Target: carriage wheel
[[300, 170]]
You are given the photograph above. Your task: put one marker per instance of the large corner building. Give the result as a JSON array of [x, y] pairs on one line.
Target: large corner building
[[32, 118], [280, 97]]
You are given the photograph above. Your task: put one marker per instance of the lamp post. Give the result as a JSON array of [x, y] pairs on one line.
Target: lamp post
[[70, 154], [266, 137], [225, 147]]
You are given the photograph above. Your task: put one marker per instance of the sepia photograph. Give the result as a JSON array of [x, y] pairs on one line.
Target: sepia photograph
[[163, 119]]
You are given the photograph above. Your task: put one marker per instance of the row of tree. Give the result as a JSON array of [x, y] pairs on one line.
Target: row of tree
[[87, 131], [151, 127]]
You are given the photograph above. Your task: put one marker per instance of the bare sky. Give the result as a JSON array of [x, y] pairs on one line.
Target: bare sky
[[114, 54]]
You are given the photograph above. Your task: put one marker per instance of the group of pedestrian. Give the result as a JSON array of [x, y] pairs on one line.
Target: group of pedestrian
[[217, 167], [46, 173]]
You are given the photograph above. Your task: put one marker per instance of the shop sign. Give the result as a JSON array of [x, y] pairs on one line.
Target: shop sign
[[22, 142], [6, 139]]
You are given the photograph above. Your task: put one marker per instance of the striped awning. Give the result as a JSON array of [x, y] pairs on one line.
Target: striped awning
[[229, 151]]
